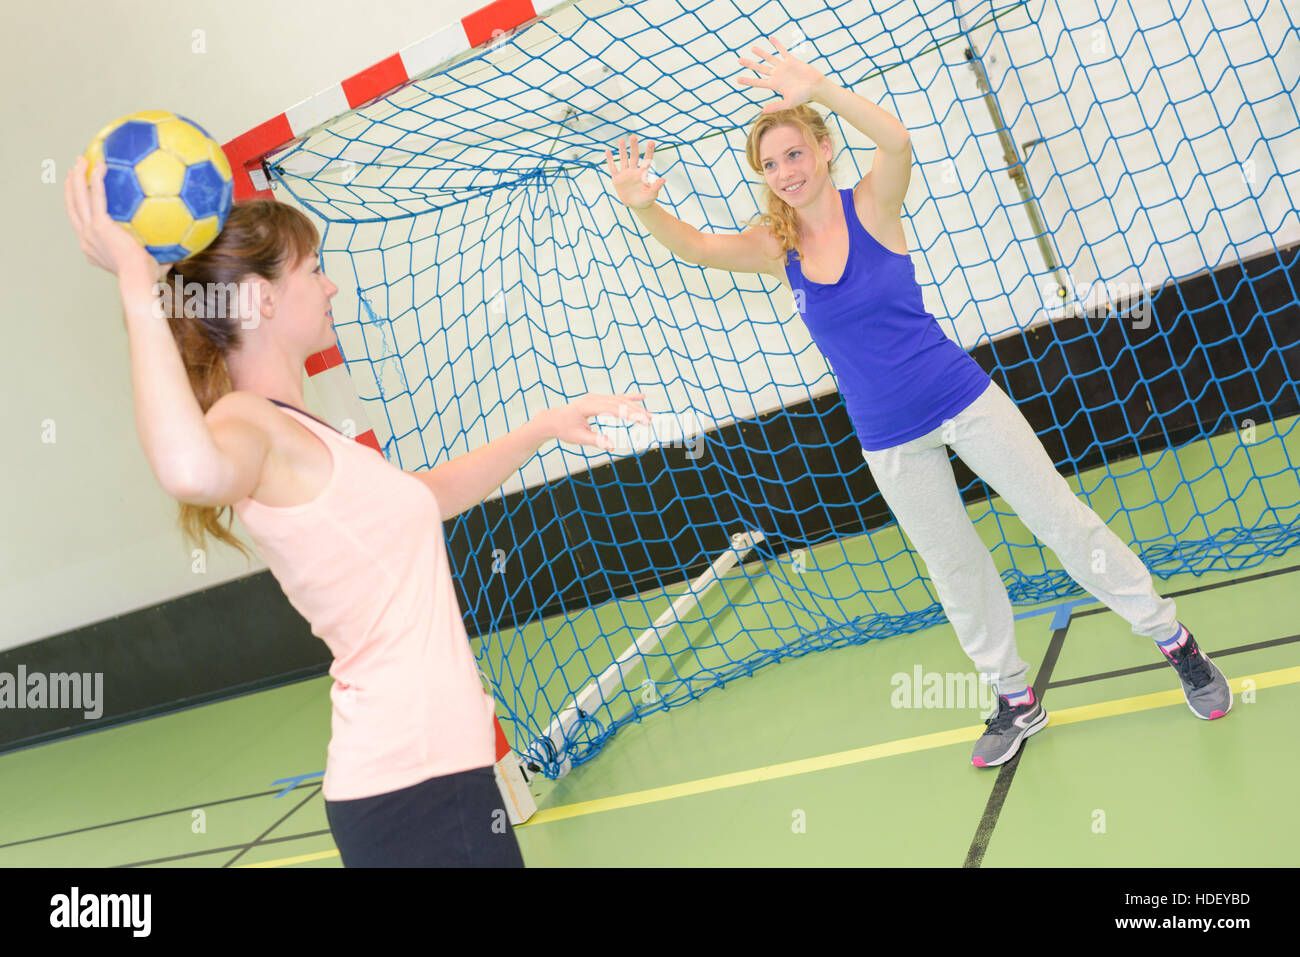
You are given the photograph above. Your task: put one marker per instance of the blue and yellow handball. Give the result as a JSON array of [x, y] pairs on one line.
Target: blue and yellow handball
[[168, 181]]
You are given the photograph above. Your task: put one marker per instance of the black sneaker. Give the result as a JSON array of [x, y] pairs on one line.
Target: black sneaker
[[1206, 690], [1006, 728]]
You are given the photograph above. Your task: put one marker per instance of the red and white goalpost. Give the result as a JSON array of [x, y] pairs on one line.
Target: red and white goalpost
[[339, 403], [416, 61]]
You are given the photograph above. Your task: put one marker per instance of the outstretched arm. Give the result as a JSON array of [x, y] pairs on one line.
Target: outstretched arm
[[468, 479], [753, 250], [885, 184]]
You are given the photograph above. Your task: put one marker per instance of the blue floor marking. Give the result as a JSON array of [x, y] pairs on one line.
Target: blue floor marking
[[295, 781], [1061, 616]]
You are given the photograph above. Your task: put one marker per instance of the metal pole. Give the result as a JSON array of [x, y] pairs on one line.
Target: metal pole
[[1015, 163]]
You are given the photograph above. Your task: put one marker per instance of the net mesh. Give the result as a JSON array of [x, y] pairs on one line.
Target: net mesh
[[1081, 159]]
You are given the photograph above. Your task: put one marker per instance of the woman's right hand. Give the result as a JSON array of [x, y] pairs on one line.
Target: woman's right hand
[[104, 241], [630, 175]]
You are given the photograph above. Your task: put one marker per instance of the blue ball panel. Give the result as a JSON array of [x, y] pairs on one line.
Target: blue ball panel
[[227, 199], [123, 193], [168, 254], [203, 190], [131, 142]]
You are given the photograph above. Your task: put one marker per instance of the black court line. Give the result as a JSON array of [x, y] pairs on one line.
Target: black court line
[[1179, 594], [984, 831], [258, 840], [223, 850], [142, 817], [1007, 773], [1161, 666], [1199, 588], [990, 814]]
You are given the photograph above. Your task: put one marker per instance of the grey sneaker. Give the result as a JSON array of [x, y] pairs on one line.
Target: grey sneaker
[[1206, 690], [1005, 729]]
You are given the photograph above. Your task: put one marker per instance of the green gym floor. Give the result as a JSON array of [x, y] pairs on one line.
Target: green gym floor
[[804, 763]]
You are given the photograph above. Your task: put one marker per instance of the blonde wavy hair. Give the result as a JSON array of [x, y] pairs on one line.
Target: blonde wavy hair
[[781, 216]]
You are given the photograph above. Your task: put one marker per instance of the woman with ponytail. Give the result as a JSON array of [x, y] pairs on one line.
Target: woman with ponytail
[[355, 543], [911, 392]]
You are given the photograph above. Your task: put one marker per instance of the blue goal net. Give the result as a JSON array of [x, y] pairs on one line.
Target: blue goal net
[[1102, 211]]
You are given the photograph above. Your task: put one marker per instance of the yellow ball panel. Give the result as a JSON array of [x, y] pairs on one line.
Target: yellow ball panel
[[200, 234], [160, 174], [148, 116], [94, 155], [184, 141], [220, 162], [162, 220], [135, 233]]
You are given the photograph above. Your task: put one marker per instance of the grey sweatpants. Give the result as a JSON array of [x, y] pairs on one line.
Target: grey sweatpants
[[992, 437]]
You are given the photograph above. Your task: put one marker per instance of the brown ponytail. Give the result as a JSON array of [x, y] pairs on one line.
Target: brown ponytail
[[260, 238], [780, 215]]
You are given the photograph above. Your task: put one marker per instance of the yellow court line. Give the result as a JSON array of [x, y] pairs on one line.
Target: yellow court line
[[319, 855], [924, 742], [1161, 699]]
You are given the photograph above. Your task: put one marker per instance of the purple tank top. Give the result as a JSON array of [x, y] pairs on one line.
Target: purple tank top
[[900, 376]]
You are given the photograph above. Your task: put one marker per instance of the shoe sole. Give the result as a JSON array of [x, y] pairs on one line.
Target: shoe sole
[[1211, 716], [1011, 752]]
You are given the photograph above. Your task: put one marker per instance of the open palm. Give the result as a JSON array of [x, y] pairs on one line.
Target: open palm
[[784, 73], [630, 174], [569, 423]]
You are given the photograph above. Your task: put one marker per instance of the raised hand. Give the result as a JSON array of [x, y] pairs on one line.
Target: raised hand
[[794, 80], [629, 175], [568, 423], [104, 241]]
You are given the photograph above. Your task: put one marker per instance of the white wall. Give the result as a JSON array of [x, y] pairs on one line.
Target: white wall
[[87, 533]]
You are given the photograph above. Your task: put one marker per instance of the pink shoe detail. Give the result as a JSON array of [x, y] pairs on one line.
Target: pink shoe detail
[[1217, 714], [978, 762]]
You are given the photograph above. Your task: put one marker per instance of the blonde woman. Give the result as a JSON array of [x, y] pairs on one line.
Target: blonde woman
[[355, 543], [910, 391]]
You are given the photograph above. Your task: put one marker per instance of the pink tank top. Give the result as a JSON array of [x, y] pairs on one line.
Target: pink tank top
[[365, 563]]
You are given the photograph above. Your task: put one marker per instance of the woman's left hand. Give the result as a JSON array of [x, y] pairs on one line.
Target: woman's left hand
[[786, 74], [569, 423]]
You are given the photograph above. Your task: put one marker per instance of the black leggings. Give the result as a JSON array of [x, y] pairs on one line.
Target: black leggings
[[454, 820]]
